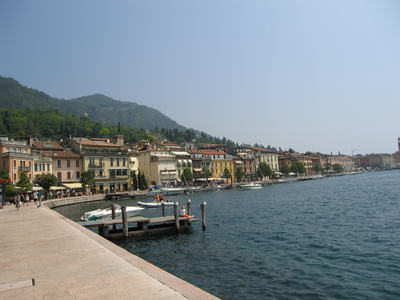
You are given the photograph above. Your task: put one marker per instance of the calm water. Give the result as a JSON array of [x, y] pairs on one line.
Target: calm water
[[336, 238]]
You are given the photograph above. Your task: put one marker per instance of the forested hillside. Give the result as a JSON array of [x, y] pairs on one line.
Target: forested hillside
[[51, 124], [97, 107]]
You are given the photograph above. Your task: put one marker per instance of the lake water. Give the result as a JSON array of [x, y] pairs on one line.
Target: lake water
[[336, 238]]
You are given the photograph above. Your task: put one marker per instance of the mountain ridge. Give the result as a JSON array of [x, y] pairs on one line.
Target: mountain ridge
[[98, 107]]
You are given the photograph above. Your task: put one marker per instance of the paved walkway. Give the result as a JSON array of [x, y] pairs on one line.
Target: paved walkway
[[68, 261]]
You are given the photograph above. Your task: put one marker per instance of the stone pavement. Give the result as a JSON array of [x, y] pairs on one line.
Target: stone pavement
[[68, 261]]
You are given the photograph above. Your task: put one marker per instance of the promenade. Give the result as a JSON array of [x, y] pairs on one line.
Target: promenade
[[68, 261]]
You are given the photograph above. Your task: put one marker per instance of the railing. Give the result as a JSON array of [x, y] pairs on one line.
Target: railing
[[98, 165], [24, 169]]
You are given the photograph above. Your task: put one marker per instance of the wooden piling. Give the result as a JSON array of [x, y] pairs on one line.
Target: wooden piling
[[203, 215], [113, 215], [188, 207], [163, 209], [124, 221], [176, 215]]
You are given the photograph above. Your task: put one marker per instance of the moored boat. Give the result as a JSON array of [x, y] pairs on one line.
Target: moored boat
[[107, 213], [251, 186], [155, 204]]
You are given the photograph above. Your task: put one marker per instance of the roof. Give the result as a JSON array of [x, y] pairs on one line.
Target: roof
[[61, 154], [208, 152], [94, 142], [259, 149], [51, 145]]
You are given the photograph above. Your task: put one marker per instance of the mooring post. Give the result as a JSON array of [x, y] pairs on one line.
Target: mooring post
[[188, 206], [113, 214], [124, 221], [176, 215], [203, 215], [163, 209]]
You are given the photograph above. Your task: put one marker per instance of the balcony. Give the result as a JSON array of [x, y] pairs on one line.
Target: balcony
[[96, 165], [24, 169]]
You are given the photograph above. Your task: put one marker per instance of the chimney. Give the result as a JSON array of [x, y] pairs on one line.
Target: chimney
[[120, 140]]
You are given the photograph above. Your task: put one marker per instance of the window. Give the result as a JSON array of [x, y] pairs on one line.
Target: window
[[59, 176], [68, 163], [4, 164], [15, 177], [68, 175], [112, 173], [48, 167], [112, 162], [124, 162], [77, 163], [117, 162], [78, 175], [36, 168], [59, 163]]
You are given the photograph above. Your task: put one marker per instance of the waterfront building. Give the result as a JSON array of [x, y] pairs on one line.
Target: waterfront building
[[158, 166], [249, 163], [347, 162], [108, 160], [288, 158], [16, 157], [375, 161], [64, 164], [216, 161], [183, 161]]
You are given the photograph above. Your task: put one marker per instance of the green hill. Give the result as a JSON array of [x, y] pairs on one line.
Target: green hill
[[97, 107]]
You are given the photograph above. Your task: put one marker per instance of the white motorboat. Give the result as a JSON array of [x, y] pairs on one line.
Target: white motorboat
[[167, 191], [106, 213], [155, 204], [251, 186]]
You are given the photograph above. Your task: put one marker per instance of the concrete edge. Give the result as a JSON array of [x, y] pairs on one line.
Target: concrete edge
[[186, 289]]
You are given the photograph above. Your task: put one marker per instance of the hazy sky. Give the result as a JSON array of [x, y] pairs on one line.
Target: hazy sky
[[311, 75]]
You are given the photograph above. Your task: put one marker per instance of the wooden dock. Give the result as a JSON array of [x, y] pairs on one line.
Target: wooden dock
[[139, 226]]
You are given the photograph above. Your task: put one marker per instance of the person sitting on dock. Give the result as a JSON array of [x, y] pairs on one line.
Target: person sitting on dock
[[159, 197], [183, 212]]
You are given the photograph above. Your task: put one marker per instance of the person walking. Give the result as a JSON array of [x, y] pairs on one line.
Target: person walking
[[17, 201]]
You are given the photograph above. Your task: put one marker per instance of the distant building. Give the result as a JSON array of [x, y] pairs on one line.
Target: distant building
[[159, 167], [376, 161]]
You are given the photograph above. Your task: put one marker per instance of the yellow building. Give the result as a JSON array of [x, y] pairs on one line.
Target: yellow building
[[219, 162], [108, 160]]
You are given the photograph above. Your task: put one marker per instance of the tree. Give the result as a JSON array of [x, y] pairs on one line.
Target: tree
[[298, 167], [46, 181], [239, 174], [317, 168], [338, 168], [206, 173], [24, 183], [4, 174], [87, 179], [134, 180], [142, 181], [227, 174], [285, 169], [187, 176], [265, 169]]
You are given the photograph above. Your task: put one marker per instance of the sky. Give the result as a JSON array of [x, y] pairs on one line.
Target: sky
[[307, 74]]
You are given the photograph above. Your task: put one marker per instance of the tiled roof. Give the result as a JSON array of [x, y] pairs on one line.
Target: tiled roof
[[51, 145], [61, 154], [94, 143]]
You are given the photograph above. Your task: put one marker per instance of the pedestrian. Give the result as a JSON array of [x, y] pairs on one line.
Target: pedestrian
[[17, 201], [35, 197]]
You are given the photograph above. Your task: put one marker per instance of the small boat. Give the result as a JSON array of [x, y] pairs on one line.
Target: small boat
[[251, 186], [106, 213], [166, 191], [155, 204]]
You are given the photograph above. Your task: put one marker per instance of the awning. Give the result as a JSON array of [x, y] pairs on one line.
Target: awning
[[36, 189], [278, 173], [73, 185], [57, 188], [197, 170]]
